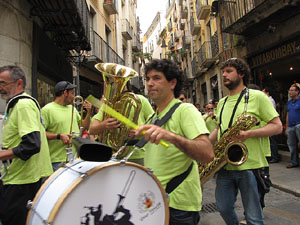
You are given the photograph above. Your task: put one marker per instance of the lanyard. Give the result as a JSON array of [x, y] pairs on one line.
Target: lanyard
[[246, 92]]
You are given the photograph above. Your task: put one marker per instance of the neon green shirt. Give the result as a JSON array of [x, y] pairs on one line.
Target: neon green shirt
[[24, 118], [146, 111], [58, 121], [259, 106], [170, 162], [210, 123]]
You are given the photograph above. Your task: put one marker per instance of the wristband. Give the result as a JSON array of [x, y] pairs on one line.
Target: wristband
[[58, 136]]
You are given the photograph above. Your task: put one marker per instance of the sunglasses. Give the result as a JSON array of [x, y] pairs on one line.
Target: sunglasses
[[210, 108], [181, 99]]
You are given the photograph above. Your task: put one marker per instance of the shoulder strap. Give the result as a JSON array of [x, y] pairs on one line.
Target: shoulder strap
[[161, 122], [12, 102]]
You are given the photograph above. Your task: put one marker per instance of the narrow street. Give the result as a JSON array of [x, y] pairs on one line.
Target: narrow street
[[282, 202]]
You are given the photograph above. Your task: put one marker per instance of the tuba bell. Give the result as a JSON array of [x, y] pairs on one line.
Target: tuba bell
[[226, 151], [115, 77]]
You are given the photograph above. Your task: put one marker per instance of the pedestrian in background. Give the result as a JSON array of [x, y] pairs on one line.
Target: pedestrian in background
[[210, 117], [275, 157], [183, 97], [230, 178], [59, 120], [293, 125], [25, 152]]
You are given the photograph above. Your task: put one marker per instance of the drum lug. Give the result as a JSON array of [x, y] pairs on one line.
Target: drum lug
[[166, 195], [29, 206], [150, 172], [123, 162]]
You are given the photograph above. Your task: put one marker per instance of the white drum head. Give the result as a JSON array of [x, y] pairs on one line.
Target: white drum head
[[111, 193]]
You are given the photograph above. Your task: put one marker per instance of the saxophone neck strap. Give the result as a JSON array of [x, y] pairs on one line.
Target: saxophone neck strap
[[159, 123], [244, 91]]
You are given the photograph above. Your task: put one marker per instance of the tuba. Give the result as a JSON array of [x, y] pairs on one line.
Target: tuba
[[226, 151], [115, 77]]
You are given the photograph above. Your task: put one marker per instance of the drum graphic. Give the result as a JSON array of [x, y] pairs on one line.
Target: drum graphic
[[97, 193]]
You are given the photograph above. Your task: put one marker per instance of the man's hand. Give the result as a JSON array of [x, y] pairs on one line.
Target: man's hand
[[111, 123], [66, 138], [87, 106], [154, 133]]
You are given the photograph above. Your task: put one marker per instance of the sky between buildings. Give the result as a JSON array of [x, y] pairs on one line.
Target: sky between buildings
[[146, 11]]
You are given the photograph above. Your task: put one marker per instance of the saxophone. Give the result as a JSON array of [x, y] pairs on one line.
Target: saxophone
[[226, 151], [115, 77]]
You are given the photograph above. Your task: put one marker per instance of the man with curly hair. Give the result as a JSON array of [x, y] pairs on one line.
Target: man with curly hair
[[231, 179], [187, 138]]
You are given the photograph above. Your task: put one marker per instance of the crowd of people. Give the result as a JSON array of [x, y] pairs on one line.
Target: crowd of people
[[36, 142]]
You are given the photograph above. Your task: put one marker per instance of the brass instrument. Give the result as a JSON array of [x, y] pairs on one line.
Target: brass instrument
[[115, 77], [226, 151], [78, 100]]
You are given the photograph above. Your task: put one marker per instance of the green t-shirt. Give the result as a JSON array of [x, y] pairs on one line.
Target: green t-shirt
[[259, 106], [24, 118], [167, 163], [58, 121], [210, 123], [146, 111]]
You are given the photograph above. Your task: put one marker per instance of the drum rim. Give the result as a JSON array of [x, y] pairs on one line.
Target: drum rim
[[77, 181]]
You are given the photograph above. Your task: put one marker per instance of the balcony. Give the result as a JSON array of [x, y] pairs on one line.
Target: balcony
[[175, 16], [194, 66], [181, 24], [170, 26], [253, 17], [186, 41], [127, 31], [136, 45], [203, 9], [176, 36], [110, 6], [68, 23], [215, 45], [102, 52], [184, 11], [206, 58], [195, 26], [171, 44]]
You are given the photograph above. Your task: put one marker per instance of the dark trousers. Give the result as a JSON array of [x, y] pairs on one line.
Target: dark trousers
[[274, 148], [13, 202], [179, 217]]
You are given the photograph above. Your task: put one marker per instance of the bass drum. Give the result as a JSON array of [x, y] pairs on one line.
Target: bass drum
[[96, 193]]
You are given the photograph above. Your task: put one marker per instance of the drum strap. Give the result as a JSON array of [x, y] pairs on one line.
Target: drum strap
[[175, 181], [159, 123]]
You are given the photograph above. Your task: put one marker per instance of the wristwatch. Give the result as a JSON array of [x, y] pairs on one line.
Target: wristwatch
[[58, 136]]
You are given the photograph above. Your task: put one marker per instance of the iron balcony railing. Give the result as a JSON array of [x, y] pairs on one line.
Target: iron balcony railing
[[237, 9], [67, 21], [111, 6], [170, 26], [127, 31], [186, 41], [205, 52], [184, 11], [215, 45], [194, 66], [195, 26], [202, 9], [136, 45], [103, 51]]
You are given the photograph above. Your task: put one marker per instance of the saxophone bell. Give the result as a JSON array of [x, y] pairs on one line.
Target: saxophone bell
[[236, 153]]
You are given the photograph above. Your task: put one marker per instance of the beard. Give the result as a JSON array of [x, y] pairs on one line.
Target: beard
[[233, 84]]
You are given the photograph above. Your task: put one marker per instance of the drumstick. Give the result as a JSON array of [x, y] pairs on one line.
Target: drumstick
[[95, 102]]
